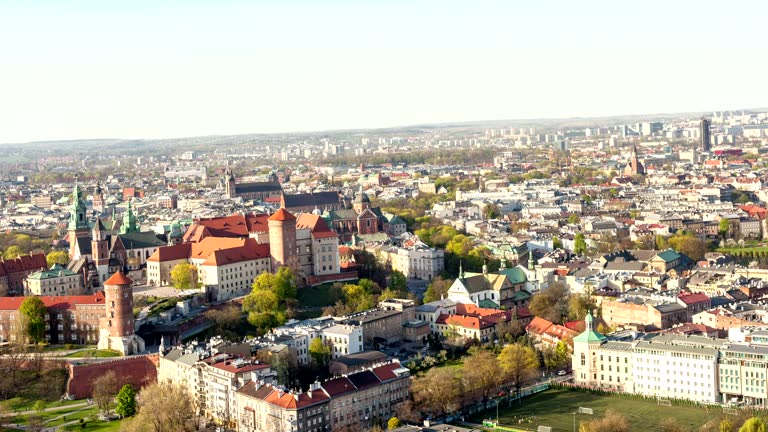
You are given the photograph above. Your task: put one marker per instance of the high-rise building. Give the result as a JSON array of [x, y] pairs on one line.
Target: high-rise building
[[704, 135]]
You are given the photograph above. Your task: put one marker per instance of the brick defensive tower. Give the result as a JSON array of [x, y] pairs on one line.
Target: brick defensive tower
[[116, 331], [282, 238]]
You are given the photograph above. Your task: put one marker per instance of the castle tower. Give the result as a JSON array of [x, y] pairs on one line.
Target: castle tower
[[116, 330], [100, 249], [282, 238], [98, 199], [175, 235], [78, 223]]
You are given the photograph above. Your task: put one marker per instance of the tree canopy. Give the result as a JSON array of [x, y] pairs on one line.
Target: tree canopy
[[32, 311], [184, 276]]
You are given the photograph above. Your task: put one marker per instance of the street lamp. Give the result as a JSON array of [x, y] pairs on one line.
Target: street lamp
[[574, 421]]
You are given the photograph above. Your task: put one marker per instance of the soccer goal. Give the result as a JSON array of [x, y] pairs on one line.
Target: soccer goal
[[544, 429], [583, 410], [730, 411], [665, 402]]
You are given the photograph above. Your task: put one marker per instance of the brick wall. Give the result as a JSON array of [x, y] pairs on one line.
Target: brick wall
[[137, 371]]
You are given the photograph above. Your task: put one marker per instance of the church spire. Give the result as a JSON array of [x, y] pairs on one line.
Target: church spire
[[531, 263], [461, 270]]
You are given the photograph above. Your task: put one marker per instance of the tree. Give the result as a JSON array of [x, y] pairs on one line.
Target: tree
[[579, 244], [483, 373], [12, 252], [578, 306], [754, 424], [574, 219], [126, 401], [163, 407], [725, 426], [437, 392], [104, 389], [393, 423], [557, 243], [491, 211], [437, 289], [724, 228], [184, 276], [357, 297], [519, 364], [58, 256], [551, 303], [226, 319], [32, 313], [319, 352], [689, 245], [612, 422], [398, 281]]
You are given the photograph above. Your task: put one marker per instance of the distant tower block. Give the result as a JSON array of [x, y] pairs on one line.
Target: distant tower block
[[705, 135], [116, 330]]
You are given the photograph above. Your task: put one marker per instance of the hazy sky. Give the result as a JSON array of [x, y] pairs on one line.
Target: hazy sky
[[137, 69]]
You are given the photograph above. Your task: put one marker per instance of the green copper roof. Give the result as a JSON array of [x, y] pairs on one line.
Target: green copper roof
[[515, 275], [589, 335], [488, 303], [668, 255]]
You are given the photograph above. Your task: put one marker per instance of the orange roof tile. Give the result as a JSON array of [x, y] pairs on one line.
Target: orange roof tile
[[118, 279], [282, 215]]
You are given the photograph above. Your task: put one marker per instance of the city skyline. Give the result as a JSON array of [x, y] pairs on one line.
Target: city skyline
[[92, 71]]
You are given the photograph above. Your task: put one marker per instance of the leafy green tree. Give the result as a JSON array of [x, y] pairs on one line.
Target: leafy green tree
[[754, 424], [724, 228], [393, 423], [358, 298], [557, 243], [519, 364], [184, 276], [319, 352], [491, 211], [725, 425], [126, 401], [580, 245], [32, 311], [57, 257], [437, 289], [574, 219], [12, 252], [398, 281]]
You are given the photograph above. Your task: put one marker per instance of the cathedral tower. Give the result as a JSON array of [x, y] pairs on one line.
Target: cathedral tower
[[100, 250], [78, 223]]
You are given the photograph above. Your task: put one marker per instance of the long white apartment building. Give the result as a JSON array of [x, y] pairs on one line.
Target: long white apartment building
[[667, 366]]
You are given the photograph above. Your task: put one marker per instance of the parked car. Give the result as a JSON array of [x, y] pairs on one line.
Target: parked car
[[561, 373]]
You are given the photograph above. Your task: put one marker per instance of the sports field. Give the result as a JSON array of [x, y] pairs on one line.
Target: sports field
[[554, 408]]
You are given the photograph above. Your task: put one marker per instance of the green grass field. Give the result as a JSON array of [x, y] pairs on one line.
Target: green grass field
[[22, 404], [554, 408], [91, 353], [318, 296]]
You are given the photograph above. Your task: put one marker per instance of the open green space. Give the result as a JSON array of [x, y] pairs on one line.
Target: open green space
[[319, 296], [745, 251], [23, 404], [95, 426], [555, 408], [92, 353]]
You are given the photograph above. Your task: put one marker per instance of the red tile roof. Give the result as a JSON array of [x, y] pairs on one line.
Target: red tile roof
[[387, 372], [118, 279], [230, 366], [338, 386], [538, 325], [54, 302], [24, 263], [692, 298], [227, 226], [282, 215]]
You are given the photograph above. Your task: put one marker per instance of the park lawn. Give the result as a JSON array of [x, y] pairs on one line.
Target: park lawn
[[75, 415], [92, 353], [318, 296], [554, 408], [744, 250], [24, 404], [96, 426]]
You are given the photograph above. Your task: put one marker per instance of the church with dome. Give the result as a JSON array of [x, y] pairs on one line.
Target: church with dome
[[97, 252], [362, 221]]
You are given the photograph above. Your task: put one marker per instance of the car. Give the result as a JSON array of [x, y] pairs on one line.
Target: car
[[561, 373]]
